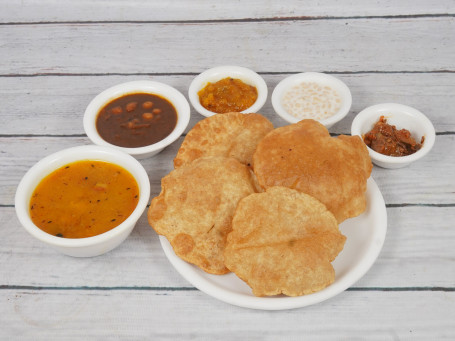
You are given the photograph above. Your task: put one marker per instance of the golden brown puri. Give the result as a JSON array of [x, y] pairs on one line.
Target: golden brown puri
[[282, 242], [303, 156], [195, 207], [233, 135]]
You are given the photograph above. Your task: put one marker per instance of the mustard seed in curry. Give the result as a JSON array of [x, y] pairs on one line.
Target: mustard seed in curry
[[227, 95]]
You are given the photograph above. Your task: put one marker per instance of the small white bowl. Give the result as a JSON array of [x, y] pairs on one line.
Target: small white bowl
[[217, 73], [403, 117], [91, 246], [320, 78], [179, 102]]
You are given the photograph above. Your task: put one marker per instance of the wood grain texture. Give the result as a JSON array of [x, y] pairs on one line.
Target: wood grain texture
[[262, 46], [55, 105], [419, 183], [417, 252], [143, 10], [190, 315], [57, 55]]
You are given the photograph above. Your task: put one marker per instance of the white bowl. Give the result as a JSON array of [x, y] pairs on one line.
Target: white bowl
[[217, 73], [321, 79], [179, 101], [91, 246], [403, 117]]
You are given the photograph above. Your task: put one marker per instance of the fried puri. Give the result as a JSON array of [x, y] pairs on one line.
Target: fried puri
[[304, 156], [195, 208], [283, 242], [233, 135]]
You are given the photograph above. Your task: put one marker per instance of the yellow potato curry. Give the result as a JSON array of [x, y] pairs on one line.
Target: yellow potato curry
[[84, 199], [227, 95]]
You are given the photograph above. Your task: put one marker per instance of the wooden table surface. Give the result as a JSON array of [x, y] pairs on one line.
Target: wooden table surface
[[57, 55]]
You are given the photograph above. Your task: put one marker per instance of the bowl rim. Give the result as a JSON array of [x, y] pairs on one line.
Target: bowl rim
[[219, 72], [320, 77], [375, 111], [140, 86], [58, 159]]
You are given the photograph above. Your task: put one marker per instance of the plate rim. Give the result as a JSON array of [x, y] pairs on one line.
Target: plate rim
[[190, 272]]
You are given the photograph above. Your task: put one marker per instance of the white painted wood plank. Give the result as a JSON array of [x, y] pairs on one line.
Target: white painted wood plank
[[19, 154], [428, 181], [138, 262], [418, 252], [331, 45], [55, 105], [68, 315], [150, 299], [143, 10]]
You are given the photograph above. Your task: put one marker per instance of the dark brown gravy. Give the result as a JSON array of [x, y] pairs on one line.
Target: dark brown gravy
[[136, 120]]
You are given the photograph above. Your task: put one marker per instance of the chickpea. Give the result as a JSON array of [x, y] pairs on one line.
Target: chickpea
[[131, 106], [116, 110], [147, 105], [147, 116]]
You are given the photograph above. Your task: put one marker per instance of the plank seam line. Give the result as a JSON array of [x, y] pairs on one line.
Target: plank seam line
[[419, 205], [43, 135], [160, 74], [387, 205], [146, 288], [443, 289], [141, 288], [239, 20], [442, 133]]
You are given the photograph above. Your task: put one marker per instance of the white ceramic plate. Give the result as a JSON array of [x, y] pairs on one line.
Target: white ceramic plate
[[365, 237]]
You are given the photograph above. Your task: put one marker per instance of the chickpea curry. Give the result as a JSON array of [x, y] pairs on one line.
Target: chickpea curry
[[136, 120], [84, 199], [388, 140], [227, 95]]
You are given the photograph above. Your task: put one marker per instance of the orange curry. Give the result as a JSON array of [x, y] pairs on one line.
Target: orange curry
[[84, 199]]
